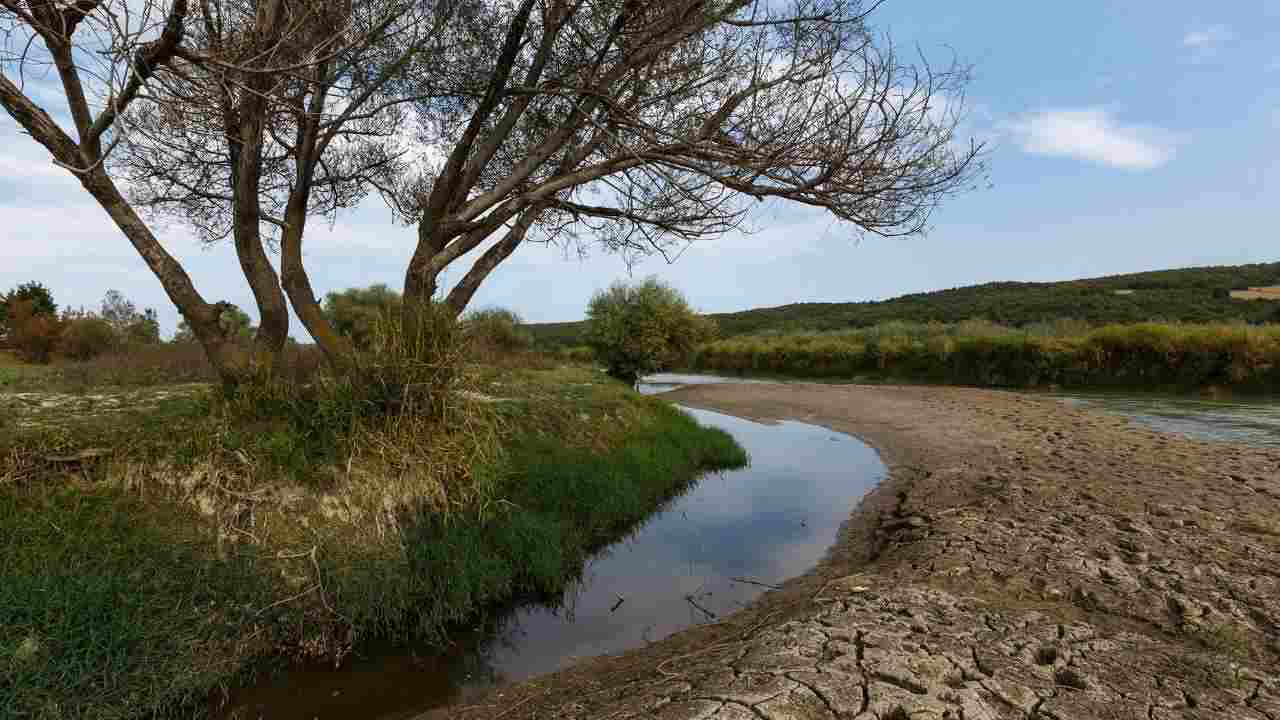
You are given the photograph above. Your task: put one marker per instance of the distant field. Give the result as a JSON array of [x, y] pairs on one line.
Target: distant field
[[1257, 293]]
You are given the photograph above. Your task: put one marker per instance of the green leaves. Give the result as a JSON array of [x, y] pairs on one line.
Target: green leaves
[[644, 328]]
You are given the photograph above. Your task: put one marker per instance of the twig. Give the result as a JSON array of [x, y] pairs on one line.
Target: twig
[[291, 598], [749, 581], [710, 615], [617, 604]]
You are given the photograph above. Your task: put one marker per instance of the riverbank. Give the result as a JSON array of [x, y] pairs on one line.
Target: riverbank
[[1026, 559], [153, 551]]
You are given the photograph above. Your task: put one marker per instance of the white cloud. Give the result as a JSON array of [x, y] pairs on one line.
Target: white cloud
[[1204, 42], [1092, 134]]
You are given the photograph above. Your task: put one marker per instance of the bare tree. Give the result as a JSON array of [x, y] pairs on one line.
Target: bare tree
[[278, 111], [104, 55], [648, 124]]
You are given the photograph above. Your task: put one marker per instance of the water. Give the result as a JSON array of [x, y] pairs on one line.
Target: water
[[664, 382], [694, 561], [1253, 422]]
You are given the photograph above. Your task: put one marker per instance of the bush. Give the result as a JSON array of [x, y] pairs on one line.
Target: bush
[[84, 338], [32, 333], [412, 361], [639, 329], [578, 354], [38, 299], [497, 329], [357, 312]]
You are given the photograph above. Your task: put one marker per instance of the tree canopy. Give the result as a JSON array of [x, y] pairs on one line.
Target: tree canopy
[[39, 297], [643, 328], [356, 312]]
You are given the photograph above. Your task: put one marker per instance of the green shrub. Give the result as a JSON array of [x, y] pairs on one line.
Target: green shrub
[[358, 312], [497, 329], [84, 338], [639, 329], [34, 334]]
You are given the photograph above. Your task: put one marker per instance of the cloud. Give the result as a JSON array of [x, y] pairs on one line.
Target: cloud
[[1204, 42], [1093, 135]]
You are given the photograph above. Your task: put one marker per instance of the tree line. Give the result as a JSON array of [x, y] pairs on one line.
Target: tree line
[[31, 323]]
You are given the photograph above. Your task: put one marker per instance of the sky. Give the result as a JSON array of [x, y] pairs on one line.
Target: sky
[[1122, 137]]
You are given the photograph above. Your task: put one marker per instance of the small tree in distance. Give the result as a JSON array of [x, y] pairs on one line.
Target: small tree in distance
[[235, 322], [39, 297], [644, 328]]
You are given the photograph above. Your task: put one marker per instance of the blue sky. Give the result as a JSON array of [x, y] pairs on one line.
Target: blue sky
[[1124, 137]]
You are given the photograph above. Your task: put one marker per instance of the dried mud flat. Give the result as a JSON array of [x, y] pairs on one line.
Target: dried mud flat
[[1026, 559]]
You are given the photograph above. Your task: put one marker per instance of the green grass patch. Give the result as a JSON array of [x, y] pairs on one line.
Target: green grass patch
[[109, 608], [212, 543]]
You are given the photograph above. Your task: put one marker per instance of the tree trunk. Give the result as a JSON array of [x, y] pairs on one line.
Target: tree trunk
[[337, 349], [231, 362], [273, 325]]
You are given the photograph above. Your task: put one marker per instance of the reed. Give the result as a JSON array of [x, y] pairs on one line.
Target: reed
[[1151, 356]]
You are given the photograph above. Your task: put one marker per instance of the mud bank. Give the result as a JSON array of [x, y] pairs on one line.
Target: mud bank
[[1025, 559]]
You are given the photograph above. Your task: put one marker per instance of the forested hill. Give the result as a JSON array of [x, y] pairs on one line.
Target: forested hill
[[1188, 295]]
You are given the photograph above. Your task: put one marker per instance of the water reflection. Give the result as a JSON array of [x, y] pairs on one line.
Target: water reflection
[[699, 558], [694, 561], [1253, 422]]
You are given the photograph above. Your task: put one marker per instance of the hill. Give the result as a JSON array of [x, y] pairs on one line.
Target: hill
[[1202, 295]]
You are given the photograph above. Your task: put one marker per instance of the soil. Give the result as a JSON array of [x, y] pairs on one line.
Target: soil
[[1026, 559]]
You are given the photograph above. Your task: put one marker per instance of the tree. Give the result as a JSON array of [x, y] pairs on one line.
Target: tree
[[86, 336], [639, 329], [249, 153], [497, 329], [129, 326], [144, 330], [33, 332], [646, 125], [39, 296], [356, 313], [305, 74], [104, 65]]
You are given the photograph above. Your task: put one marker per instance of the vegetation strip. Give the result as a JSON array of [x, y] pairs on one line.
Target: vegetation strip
[[1147, 356]]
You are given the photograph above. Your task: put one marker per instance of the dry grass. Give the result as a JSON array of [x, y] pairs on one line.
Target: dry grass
[[141, 366], [1257, 293]]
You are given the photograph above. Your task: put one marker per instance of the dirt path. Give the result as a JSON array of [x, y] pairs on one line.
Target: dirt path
[[1025, 560]]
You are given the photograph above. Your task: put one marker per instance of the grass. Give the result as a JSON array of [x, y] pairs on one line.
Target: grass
[[107, 608], [1153, 356], [219, 535]]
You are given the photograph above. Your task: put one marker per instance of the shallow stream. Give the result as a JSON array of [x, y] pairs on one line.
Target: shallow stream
[[1252, 422], [708, 553]]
